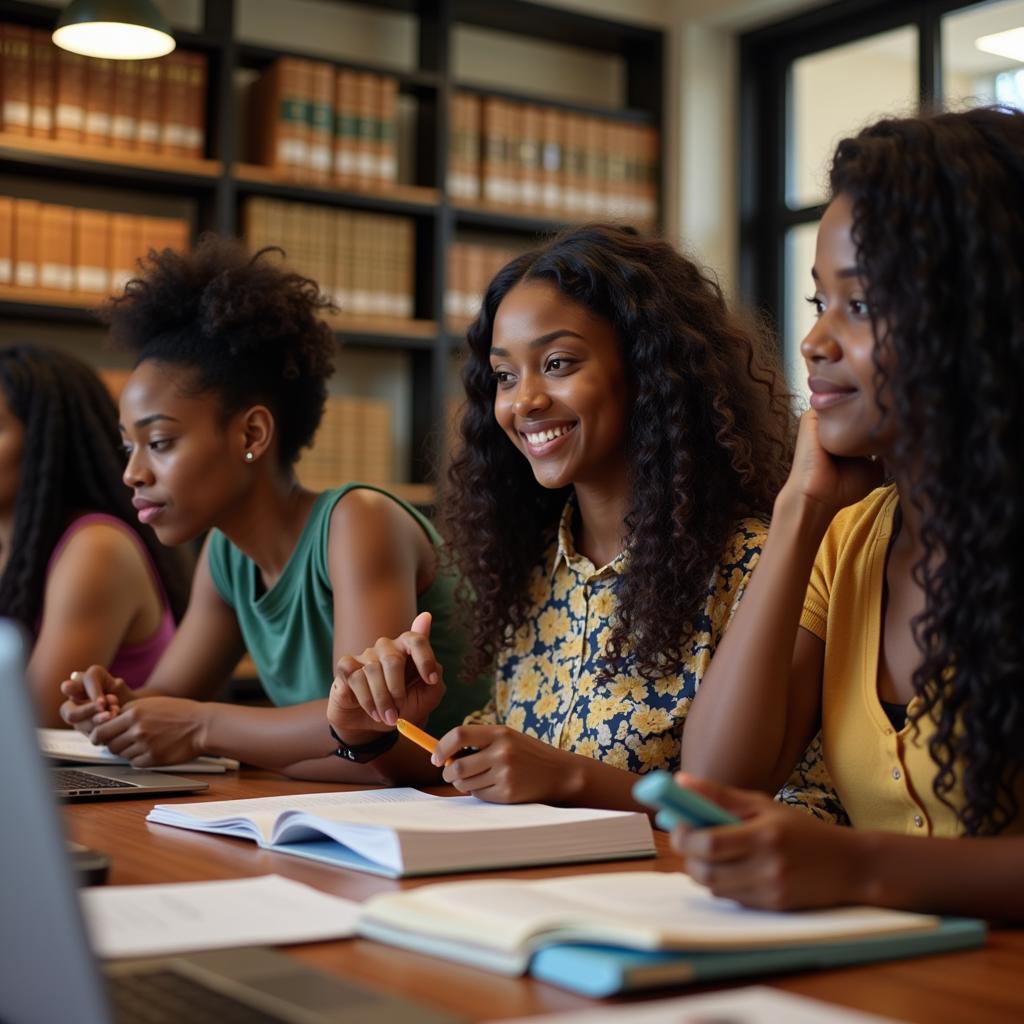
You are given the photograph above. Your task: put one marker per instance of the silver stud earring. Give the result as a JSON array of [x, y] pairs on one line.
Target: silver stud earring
[[249, 456]]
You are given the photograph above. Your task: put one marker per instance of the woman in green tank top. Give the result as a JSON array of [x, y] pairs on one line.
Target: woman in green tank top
[[229, 385]]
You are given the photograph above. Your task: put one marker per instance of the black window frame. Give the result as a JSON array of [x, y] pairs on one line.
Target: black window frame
[[766, 58]]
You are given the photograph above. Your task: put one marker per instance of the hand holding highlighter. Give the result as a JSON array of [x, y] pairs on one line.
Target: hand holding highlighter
[[679, 806]]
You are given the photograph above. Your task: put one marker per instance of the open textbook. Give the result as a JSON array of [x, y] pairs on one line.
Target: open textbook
[[575, 929], [400, 832], [71, 745]]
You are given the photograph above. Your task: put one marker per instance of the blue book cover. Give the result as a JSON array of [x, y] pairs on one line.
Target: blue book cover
[[598, 971]]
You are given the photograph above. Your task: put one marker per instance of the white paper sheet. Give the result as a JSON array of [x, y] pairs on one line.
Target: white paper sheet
[[755, 1004], [181, 917]]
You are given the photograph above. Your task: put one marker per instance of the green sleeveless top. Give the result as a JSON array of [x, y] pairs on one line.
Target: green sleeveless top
[[289, 629]]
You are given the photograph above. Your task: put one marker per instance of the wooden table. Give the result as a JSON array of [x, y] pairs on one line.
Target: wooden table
[[979, 986]]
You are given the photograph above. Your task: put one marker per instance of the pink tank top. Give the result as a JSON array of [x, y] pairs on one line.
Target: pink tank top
[[132, 662]]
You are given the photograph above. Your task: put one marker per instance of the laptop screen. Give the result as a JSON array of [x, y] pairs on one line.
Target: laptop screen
[[47, 970]]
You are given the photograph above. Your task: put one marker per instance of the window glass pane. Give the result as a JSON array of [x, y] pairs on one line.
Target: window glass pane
[[799, 313], [972, 75], [837, 91]]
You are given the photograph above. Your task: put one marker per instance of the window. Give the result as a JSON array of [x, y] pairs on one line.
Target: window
[[814, 78]]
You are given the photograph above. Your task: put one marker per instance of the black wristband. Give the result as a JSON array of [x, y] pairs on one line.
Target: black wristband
[[364, 752]]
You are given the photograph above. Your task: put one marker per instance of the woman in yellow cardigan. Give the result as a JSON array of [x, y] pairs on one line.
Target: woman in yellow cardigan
[[891, 618]]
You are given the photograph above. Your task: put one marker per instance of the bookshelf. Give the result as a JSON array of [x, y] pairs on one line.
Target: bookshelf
[[219, 184]]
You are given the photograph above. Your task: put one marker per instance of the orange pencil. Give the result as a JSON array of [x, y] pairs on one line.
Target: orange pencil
[[417, 735], [425, 740]]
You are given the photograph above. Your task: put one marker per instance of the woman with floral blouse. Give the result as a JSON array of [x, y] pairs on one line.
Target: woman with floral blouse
[[623, 440]]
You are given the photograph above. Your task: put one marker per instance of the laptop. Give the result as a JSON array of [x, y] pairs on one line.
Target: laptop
[[48, 972], [75, 782]]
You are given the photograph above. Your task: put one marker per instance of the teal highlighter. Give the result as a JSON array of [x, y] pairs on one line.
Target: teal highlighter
[[679, 806]]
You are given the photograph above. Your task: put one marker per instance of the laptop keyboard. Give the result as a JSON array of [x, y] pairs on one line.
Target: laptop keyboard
[[166, 997], [71, 778]]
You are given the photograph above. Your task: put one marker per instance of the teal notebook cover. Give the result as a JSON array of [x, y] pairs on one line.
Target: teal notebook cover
[[606, 970]]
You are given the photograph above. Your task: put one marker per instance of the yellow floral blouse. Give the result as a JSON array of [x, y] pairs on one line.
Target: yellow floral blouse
[[551, 683]]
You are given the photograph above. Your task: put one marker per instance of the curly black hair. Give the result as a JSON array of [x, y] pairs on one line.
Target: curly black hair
[[72, 464], [249, 328], [938, 224], [710, 440]]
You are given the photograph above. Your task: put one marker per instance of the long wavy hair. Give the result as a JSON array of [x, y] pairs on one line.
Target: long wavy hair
[[710, 440], [72, 464], [938, 224]]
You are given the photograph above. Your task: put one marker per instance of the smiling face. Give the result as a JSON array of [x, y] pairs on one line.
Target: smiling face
[[563, 395], [839, 350], [185, 465]]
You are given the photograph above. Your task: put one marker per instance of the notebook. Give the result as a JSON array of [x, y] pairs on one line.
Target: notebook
[[402, 832], [605, 933], [44, 941], [71, 745]]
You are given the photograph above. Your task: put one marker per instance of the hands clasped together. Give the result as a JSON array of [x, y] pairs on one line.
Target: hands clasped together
[[150, 731]]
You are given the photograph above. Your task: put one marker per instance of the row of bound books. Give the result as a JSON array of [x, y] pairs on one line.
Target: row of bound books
[[363, 261], [156, 106], [540, 159], [89, 252], [470, 269], [318, 124], [354, 442]]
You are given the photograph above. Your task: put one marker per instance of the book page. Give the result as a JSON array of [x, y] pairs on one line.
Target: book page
[[263, 812], [684, 911], [644, 909], [408, 810]]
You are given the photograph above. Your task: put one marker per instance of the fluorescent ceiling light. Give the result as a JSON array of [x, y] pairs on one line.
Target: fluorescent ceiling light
[[1004, 44], [116, 29]]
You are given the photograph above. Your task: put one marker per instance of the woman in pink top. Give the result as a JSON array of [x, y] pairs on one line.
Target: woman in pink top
[[76, 569]]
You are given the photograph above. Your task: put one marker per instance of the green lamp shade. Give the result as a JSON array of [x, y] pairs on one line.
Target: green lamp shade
[[117, 29]]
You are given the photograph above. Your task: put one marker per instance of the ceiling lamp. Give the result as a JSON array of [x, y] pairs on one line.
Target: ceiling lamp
[[1004, 44], [117, 29]]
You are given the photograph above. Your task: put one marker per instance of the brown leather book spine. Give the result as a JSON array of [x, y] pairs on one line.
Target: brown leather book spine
[[254, 222], [125, 249], [320, 112], [594, 187], [551, 159], [344, 257], [26, 242], [147, 123], [387, 129], [99, 101], [92, 252], [69, 112], [366, 140], [531, 186], [346, 126], [493, 150], [176, 234], [362, 267], [16, 69], [174, 107], [44, 63], [56, 247], [195, 107], [6, 240], [124, 120]]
